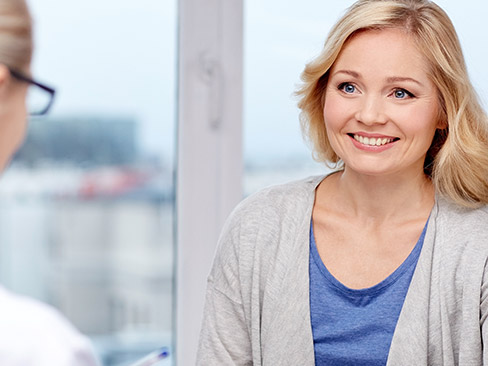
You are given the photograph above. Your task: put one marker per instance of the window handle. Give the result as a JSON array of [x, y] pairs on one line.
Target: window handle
[[211, 72]]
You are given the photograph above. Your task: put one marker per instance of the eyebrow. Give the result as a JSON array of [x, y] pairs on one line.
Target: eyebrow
[[348, 72], [391, 79], [394, 79]]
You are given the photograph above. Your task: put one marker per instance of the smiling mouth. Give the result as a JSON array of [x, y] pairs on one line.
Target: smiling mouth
[[373, 141]]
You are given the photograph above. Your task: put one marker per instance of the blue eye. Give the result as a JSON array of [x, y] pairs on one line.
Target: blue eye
[[347, 88], [402, 94]]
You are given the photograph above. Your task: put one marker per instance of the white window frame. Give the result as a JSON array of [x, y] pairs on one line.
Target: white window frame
[[210, 161]]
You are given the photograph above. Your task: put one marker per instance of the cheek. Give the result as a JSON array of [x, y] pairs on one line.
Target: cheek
[[335, 119], [334, 113], [13, 129], [424, 122], [11, 139]]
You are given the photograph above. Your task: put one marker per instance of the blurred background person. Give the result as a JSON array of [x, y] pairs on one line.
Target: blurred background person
[[31, 333]]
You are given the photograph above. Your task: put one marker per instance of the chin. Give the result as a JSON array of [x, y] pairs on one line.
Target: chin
[[375, 168], [381, 170]]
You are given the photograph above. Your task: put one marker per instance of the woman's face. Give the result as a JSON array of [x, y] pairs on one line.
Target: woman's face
[[381, 108], [13, 115]]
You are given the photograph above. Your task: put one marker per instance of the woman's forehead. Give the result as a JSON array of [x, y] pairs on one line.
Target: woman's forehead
[[385, 50]]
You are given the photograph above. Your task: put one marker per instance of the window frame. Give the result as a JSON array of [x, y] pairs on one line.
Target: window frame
[[209, 151]]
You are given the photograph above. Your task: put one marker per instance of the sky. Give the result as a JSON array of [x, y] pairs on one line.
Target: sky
[[111, 57], [118, 57]]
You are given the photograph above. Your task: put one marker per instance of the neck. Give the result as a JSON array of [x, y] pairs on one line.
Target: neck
[[377, 199]]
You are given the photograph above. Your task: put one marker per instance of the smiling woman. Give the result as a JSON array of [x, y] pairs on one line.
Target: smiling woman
[[377, 262], [459, 109], [381, 108]]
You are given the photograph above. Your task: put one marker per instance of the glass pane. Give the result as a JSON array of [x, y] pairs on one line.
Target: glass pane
[[468, 24], [87, 203], [279, 41]]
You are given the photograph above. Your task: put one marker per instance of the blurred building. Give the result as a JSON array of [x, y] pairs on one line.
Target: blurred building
[[82, 141], [86, 224]]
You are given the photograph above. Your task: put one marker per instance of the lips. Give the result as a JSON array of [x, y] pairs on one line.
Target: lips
[[373, 141]]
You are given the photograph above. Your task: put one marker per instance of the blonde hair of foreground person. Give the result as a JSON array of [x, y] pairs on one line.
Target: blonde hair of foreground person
[[457, 160]]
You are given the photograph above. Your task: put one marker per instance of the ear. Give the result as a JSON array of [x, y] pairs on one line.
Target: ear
[[4, 77], [441, 124]]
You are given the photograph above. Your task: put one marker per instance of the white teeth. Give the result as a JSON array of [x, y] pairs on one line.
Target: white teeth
[[372, 141]]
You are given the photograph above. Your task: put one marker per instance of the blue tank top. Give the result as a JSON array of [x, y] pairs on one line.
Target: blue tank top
[[355, 327]]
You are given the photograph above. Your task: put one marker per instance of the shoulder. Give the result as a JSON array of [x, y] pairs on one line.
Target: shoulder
[[463, 231], [259, 225], [30, 325], [277, 201], [459, 218]]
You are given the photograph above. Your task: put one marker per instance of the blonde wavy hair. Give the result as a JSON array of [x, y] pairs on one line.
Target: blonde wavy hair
[[457, 160], [16, 45]]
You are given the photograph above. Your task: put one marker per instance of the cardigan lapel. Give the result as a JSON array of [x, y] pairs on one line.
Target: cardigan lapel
[[291, 329], [410, 344]]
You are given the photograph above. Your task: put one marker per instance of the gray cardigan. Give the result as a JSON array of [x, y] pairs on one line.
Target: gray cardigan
[[257, 309]]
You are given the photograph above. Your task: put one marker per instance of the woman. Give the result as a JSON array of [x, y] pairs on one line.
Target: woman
[[31, 333], [383, 261]]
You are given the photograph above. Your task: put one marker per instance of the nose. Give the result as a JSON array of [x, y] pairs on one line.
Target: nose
[[371, 111]]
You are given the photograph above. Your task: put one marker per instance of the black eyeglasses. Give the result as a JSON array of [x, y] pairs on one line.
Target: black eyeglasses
[[40, 97]]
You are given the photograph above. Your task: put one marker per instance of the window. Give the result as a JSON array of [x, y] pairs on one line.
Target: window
[[278, 42], [87, 203], [468, 23]]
